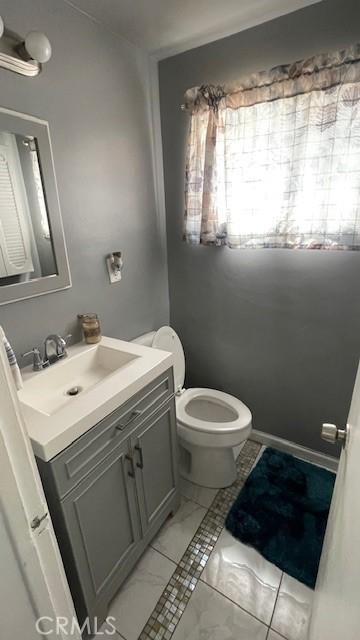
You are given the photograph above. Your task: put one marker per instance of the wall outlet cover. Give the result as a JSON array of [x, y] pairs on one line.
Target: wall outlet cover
[[115, 276]]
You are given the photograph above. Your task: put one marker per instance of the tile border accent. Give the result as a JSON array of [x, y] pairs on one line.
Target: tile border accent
[[177, 593]]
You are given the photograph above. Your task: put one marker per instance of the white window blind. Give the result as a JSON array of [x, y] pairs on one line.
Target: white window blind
[[14, 232]]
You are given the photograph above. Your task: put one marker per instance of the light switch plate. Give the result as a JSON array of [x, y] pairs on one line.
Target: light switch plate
[[115, 276]]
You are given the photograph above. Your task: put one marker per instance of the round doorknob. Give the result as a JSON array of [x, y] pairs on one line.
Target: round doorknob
[[331, 433]]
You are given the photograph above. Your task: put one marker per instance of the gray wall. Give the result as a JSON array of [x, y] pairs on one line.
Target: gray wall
[[279, 329], [93, 94]]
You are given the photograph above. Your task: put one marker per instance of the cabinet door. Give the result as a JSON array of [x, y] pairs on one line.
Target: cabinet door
[[103, 524], [154, 447]]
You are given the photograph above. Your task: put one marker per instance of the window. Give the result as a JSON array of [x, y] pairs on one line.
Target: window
[[264, 170]]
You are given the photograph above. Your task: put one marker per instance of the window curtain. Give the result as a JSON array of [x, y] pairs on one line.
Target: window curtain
[[275, 161]]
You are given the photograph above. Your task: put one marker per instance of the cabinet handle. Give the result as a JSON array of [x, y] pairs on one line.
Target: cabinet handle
[[133, 415], [131, 473], [139, 450]]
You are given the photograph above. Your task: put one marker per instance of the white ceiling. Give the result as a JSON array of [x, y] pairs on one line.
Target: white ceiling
[[166, 27]]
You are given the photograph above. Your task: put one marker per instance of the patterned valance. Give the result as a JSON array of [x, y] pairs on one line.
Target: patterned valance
[[319, 72]]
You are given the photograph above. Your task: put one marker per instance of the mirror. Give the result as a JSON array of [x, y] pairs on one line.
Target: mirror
[[33, 258]]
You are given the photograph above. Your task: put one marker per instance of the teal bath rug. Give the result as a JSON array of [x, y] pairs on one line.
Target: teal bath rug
[[282, 511]]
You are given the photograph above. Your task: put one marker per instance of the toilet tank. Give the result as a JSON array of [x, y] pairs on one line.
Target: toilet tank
[[146, 339]]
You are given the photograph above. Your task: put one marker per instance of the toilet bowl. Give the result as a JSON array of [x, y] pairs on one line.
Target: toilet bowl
[[210, 423]]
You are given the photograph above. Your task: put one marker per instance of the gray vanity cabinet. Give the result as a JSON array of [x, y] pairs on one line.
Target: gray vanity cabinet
[[110, 491], [154, 447], [102, 522]]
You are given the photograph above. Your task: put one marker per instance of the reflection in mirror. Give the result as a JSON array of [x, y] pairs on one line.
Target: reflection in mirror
[[26, 246]]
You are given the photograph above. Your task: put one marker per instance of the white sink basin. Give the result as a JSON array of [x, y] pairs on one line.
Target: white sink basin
[[105, 376], [63, 382]]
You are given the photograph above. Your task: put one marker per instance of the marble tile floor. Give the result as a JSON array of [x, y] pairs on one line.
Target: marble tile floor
[[197, 582]]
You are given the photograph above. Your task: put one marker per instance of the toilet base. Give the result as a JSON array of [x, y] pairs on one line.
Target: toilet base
[[212, 467]]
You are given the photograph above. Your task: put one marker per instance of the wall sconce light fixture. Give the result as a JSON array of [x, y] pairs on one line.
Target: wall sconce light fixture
[[114, 264], [23, 56]]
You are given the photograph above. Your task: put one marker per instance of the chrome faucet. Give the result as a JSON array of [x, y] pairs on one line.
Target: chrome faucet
[[59, 348]]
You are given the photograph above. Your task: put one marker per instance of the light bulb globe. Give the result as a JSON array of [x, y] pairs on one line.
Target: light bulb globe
[[38, 46]]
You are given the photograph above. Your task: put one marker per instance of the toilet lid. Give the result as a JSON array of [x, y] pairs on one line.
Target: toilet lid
[[167, 340]]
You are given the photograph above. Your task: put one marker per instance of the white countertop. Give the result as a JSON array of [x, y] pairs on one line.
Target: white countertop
[[51, 434]]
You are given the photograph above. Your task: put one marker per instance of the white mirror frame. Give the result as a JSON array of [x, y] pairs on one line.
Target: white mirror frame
[[22, 124]]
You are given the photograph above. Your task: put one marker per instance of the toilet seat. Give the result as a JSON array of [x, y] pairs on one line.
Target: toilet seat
[[241, 414]]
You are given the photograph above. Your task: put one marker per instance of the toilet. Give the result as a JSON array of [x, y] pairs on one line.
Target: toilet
[[210, 423]]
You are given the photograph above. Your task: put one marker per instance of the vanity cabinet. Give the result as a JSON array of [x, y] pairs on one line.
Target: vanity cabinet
[[110, 491], [154, 464], [101, 520]]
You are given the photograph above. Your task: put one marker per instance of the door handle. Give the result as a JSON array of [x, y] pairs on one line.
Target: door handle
[[131, 473], [139, 464], [133, 415], [331, 433]]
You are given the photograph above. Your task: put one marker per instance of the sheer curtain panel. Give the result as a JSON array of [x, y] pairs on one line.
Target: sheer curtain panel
[[275, 161]]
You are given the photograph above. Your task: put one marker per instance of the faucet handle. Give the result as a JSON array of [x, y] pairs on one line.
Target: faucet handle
[[34, 351], [63, 344], [38, 362]]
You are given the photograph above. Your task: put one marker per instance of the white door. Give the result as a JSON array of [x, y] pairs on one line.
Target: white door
[[33, 583], [336, 609]]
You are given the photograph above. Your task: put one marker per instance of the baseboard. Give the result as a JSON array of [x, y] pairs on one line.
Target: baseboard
[[329, 462]]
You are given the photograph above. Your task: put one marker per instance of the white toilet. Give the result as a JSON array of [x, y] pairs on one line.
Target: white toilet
[[210, 423]]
